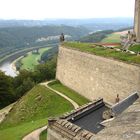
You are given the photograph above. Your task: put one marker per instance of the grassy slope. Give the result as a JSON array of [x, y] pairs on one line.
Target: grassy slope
[[31, 60], [112, 38], [68, 92], [89, 47], [19, 131], [32, 111]]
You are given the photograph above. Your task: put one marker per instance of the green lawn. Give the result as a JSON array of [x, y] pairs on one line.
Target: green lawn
[[110, 53], [19, 131], [112, 38], [32, 112], [31, 60], [80, 100]]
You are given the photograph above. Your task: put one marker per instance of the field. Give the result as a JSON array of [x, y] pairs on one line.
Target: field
[[32, 112], [112, 38], [31, 60], [105, 52]]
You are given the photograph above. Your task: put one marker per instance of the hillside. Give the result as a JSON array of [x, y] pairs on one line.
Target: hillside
[[106, 36], [16, 38], [32, 111], [112, 38], [96, 37]]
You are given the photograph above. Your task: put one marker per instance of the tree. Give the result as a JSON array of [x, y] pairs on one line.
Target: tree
[[25, 87], [6, 90], [46, 71]]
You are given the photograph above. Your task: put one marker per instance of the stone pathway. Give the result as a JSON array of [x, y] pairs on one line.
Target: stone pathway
[[35, 134]]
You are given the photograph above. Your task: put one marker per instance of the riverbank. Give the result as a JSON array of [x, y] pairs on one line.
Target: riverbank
[[13, 64], [7, 64], [30, 60]]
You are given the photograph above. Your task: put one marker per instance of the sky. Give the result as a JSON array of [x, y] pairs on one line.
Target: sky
[[43, 9]]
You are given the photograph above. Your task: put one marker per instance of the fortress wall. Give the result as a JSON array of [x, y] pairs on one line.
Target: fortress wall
[[94, 76]]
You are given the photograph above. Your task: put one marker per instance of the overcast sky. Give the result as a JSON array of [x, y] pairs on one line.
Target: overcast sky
[[41, 9]]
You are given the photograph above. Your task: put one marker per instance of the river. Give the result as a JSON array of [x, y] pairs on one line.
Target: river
[[7, 68], [6, 64]]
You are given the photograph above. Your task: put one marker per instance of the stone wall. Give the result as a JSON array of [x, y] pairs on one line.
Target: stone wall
[[94, 76]]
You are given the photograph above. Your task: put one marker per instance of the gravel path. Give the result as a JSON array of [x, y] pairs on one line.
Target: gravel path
[[35, 134]]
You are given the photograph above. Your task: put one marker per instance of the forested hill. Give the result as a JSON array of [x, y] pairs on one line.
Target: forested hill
[[20, 36], [16, 38], [96, 37], [100, 35]]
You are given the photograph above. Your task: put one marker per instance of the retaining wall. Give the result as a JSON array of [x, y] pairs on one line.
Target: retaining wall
[[95, 76]]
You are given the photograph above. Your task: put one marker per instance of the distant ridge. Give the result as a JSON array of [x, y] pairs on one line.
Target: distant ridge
[[124, 22]]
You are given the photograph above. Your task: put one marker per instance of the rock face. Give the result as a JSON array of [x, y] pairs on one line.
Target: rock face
[[94, 76], [137, 20]]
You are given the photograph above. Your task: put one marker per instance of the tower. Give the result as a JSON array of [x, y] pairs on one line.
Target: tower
[[137, 20]]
